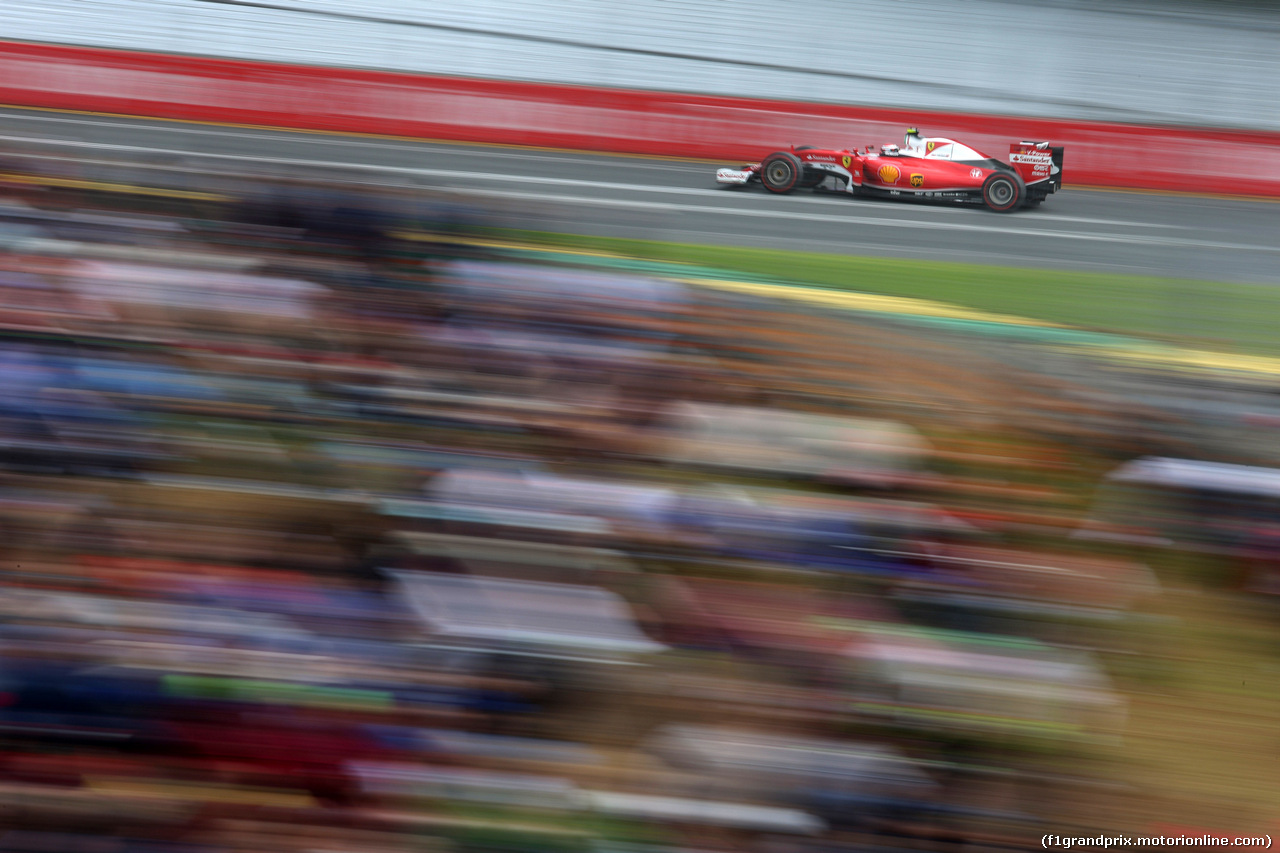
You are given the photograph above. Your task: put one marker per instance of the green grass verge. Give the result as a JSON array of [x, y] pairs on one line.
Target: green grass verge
[[1231, 317]]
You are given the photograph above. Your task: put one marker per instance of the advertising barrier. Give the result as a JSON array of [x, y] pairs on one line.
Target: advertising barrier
[[731, 130]]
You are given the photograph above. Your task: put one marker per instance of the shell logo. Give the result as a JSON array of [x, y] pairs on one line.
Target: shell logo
[[917, 180], [846, 160], [889, 174]]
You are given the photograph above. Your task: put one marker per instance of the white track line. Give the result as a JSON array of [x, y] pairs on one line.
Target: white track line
[[285, 134]]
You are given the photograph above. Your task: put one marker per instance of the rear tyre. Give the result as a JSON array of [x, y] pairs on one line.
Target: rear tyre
[[781, 172], [1002, 192]]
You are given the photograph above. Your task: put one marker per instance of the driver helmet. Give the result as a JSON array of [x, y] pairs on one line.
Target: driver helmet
[[889, 150]]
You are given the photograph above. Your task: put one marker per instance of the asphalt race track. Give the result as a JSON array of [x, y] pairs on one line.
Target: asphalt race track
[[1184, 236]]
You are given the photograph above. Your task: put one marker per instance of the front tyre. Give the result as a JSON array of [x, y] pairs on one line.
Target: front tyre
[[1002, 192], [781, 172]]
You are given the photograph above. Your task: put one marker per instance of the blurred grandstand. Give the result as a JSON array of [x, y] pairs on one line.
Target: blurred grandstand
[[329, 525]]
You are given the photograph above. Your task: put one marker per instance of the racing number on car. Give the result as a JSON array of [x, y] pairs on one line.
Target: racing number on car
[[846, 160], [917, 180], [889, 174]]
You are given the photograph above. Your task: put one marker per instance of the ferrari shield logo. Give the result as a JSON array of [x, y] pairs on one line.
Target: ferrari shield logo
[[929, 146], [846, 160], [917, 180]]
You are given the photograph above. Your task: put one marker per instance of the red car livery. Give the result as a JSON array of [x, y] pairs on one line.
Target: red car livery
[[927, 168]]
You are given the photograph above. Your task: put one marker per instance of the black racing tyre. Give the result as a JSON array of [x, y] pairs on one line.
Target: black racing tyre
[[781, 172], [1002, 192]]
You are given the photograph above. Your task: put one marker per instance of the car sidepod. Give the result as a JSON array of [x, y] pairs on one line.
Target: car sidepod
[[920, 178]]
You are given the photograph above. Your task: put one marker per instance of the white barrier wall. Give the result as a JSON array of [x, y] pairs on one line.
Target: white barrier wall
[[1176, 61]]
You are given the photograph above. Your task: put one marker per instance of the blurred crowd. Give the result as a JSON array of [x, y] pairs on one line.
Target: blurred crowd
[[329, 522]]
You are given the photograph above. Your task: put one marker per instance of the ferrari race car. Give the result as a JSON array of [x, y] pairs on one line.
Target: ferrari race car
[[929, 168]]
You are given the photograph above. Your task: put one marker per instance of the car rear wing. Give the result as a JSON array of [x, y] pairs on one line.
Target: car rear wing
[[1037, 161]]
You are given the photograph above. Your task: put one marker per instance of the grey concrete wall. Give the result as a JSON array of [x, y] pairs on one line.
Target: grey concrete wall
[[1130, 60]]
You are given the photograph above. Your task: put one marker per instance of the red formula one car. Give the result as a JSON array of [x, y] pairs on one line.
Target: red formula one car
[[928, 168]]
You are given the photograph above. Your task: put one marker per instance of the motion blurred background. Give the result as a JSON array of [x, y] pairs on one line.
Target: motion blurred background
[[365, 490]]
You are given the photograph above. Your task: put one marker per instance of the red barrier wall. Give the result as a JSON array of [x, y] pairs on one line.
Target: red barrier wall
[[661, 123]]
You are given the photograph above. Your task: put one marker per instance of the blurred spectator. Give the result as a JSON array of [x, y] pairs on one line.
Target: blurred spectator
[[322, 528]]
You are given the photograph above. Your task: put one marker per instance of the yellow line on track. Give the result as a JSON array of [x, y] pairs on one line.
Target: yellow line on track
[[873, 302], [1192, 359], [109, 187]]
